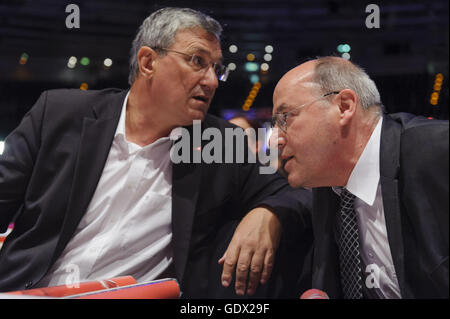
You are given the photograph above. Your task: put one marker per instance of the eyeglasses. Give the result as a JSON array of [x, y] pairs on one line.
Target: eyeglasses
[[198, 63], [280, 118]]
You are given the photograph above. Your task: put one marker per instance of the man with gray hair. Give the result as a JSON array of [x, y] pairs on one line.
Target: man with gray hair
[[380, 183], [88, 179]]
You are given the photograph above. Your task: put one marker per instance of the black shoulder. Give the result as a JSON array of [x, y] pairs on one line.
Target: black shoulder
[[425, 139], [66, 103], [413, 122], [69, 98]]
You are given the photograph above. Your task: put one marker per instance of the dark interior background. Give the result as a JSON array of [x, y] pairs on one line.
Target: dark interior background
[[403, 56]]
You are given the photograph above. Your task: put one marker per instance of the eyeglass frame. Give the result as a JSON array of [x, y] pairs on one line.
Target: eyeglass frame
[[221, 74], [280, 119]]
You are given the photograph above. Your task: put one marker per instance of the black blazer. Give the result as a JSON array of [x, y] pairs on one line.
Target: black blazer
[[414, 182], [50, 169]]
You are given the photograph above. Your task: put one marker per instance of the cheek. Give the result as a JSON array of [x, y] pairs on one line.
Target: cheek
[[299, 138], [308, 147], [177, 88], [295, 145]]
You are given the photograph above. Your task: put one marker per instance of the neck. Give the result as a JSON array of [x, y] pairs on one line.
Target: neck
[[144, 123], [358, 138]]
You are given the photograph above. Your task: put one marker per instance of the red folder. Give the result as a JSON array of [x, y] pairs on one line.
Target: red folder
[[158, 289], [82, 287]]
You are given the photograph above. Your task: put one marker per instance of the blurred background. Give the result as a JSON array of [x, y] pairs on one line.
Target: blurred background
[[407, 55]]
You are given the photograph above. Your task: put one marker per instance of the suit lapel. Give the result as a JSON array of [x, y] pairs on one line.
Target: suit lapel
[[389, 168], [326, 261], [185, 190], [95, 142]]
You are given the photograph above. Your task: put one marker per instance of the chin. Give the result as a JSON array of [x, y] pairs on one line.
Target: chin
[[294, 182], [200, 117], [196, 114]]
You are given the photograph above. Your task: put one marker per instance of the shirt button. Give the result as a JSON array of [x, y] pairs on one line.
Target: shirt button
[[370, 254]]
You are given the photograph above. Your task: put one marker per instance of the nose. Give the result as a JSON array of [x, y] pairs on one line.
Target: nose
[[277, 139], [209, 78]]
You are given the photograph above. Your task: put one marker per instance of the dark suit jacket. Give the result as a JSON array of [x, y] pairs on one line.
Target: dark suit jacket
[[50, 169], [414, 182]]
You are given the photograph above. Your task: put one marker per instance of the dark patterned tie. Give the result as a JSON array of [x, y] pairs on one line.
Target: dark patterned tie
[[349, 261]]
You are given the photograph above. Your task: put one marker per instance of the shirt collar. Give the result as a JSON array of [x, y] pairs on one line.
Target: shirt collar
[[363, 181], [120, 131]]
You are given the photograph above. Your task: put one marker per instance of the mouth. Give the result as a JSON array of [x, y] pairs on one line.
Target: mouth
[[201, 98], [284, 162]]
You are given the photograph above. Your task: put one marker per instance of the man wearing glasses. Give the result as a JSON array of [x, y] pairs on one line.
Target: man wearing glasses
[[87, 177], [380, 183]]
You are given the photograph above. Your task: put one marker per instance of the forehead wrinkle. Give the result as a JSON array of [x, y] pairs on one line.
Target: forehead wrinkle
[[304, 77], [199, 40], [310, 88], [305, 82]]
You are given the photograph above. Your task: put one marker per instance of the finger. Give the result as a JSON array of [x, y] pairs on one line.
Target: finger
[[269, 260], [256, 268], [229, 260], [242, 268], [222, 259]]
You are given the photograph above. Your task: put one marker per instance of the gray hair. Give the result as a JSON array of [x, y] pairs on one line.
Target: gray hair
[[336, 74], [159, 29]]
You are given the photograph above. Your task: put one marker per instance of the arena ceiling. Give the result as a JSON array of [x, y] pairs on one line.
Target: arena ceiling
[[411, 42]]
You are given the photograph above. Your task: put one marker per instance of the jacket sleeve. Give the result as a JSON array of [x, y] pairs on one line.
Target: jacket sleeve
[[17, 162]]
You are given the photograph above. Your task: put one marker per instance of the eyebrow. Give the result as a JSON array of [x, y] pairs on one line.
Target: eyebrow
[[282, 108], [204, 51]]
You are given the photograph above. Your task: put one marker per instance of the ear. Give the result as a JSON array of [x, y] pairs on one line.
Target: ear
[[146, 57], [347, 102]]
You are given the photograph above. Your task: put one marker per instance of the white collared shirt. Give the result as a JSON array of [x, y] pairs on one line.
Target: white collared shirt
[[127, 229], [364, 183]]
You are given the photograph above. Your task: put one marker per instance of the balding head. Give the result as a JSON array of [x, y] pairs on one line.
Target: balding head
[[331, 74]]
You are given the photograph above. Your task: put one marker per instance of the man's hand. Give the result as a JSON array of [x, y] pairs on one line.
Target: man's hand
[[252, 249]]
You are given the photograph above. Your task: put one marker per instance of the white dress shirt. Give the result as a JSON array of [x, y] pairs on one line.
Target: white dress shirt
[[364, 182], [127, 227]]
